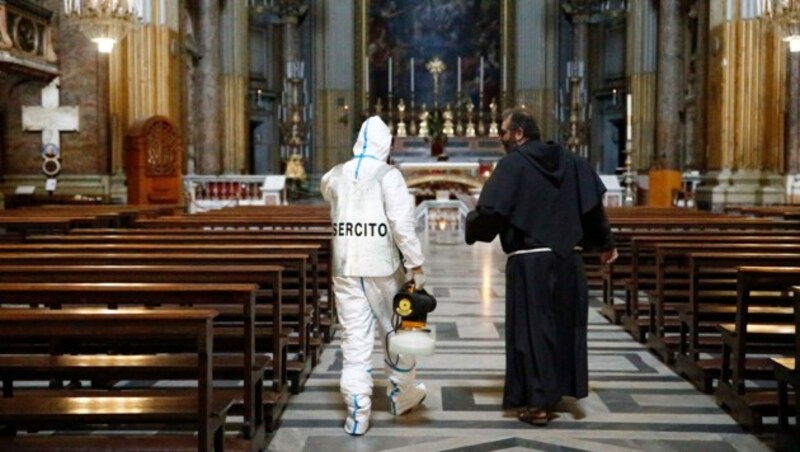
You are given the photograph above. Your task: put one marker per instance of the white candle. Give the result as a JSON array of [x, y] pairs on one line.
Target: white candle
[[390, 75], [629, 118], [505, 74], [366, 74], [481, 74], [412, 75], [459, 74]]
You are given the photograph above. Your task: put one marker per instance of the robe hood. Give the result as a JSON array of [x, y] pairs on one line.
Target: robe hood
[[548, 158], [543, 190], [374, 139]]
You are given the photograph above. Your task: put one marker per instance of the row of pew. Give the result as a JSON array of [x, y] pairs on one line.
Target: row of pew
[[714, 296], [228, 313]]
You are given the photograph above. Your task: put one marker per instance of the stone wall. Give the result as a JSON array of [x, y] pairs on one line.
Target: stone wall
[[83, 152]]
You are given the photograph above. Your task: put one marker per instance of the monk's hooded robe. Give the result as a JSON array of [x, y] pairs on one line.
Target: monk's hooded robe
[[545, 203]]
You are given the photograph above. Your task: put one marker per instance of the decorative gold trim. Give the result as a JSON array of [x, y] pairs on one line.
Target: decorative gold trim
[[415, 181], [5, 39]]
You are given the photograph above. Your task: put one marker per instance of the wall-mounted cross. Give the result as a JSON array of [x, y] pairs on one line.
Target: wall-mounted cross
[[50, 118]]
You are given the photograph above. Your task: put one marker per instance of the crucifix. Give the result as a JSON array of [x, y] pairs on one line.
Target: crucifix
[[50, 118]]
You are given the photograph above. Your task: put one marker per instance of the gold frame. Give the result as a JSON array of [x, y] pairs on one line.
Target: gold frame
[[507, 50]]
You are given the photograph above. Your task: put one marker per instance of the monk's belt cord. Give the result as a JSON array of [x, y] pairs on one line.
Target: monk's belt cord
[[539, 250]]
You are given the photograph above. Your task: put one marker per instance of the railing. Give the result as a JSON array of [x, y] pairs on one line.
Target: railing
[[205, 193]]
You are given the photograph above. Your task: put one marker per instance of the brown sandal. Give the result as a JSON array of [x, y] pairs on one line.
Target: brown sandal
[[534, 416]]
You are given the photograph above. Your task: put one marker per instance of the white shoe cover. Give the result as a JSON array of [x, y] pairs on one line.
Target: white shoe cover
[[403, 401], [358, 411]]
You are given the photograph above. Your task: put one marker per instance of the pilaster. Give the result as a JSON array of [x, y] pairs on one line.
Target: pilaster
[[747, 80], [234, 82], [145, 77], [641, 45]]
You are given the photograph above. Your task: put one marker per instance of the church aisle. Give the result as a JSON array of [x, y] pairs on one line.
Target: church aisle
[[635, 401]]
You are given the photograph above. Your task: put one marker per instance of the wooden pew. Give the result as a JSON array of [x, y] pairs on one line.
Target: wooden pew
[[786, 373], [634, 223], [634, 270], [298, 371], [54, 411], [306, 266], [327, 307], [745, 337], [323, 315], [673, 282], [268, 276], [662, 270], [712, 300], [237, 223], [25, 225], [56, 295], [638, 251]]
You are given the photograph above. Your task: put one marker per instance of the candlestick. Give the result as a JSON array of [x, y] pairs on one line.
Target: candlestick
[[459, 74], [390, 74]]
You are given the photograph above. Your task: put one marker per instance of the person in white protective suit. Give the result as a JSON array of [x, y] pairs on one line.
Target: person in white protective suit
[[372, 217]]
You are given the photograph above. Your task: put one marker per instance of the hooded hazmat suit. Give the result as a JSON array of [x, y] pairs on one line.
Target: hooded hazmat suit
[[372, 218]]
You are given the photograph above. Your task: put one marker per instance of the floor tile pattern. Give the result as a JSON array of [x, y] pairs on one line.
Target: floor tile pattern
[[635, 401]]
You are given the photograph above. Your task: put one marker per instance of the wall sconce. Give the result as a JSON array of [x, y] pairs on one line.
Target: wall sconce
[[345, 117]]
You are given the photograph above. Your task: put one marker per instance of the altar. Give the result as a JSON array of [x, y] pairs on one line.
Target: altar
[[463, 167], [484, 150]]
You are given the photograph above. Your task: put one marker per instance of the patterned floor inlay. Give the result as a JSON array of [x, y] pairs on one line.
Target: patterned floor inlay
[[635, 401]]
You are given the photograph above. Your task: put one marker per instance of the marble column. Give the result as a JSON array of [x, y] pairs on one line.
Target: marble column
[[669, 86], [696, 155], [209, 129], [793, 127], [536, 69], [334, 83], [793, 114]]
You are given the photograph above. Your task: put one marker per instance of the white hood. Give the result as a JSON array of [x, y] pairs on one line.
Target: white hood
[[378, 139]]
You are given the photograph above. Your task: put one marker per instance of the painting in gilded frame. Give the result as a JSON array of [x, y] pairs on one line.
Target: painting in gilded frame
[[402, 31]]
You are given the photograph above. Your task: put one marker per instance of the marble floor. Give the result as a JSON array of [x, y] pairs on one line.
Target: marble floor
[[635, 401]]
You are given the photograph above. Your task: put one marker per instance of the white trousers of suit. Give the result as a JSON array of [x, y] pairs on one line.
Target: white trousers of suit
[[362, 304]]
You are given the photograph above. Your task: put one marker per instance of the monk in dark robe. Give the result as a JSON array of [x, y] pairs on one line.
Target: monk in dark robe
[[546, 205]]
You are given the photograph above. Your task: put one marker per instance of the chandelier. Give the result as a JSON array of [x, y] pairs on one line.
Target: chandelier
[[104, 22], [785, 16]]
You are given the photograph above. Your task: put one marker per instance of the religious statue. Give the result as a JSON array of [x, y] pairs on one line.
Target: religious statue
[[470, 125], [423, 122], [295, 169], [401, 114], [493, 127], [447, 128]]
